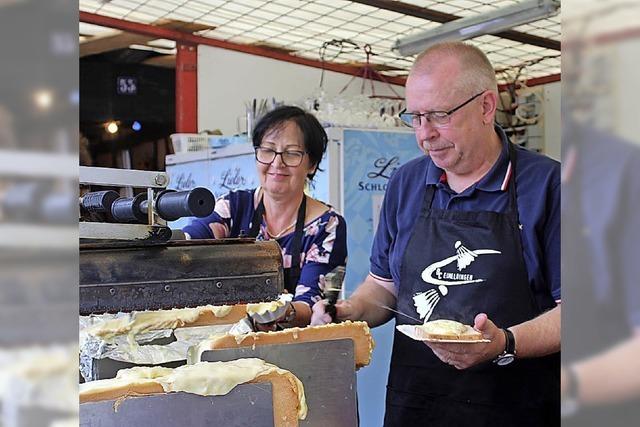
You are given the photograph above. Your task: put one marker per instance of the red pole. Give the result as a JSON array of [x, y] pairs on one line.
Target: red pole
[[186, 88]]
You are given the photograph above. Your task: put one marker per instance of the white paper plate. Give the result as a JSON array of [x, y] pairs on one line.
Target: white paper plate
[[413, 333]]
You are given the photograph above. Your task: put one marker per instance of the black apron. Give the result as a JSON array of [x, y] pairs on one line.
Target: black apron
[[588, 315], [292, 275], [485, 249]]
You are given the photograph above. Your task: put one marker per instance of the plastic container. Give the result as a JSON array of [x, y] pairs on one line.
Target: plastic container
[[222, 141], [189, 142]]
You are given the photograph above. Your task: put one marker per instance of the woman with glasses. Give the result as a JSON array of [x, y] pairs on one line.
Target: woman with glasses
[[289, 145]]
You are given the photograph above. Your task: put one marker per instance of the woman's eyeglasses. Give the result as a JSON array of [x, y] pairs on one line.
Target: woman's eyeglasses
[[291, 158]]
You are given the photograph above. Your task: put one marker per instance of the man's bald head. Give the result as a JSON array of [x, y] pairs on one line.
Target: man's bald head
[[474, 71]]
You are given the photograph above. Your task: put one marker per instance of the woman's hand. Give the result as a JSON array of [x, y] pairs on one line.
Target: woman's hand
[[318, 314]]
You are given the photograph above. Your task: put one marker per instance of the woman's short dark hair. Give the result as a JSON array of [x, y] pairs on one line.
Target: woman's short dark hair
[[313, 134]]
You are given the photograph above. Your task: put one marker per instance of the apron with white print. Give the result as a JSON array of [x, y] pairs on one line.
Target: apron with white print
[[458, 264]]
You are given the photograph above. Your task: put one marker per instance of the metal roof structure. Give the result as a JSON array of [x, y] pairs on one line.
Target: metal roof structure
[[310, 29]]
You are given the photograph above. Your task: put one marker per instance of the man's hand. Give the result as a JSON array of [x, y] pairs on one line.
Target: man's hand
[[463, 356], [344, 311], [365, 304]]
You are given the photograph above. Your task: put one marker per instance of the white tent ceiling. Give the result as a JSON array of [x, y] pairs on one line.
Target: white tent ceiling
[[302, 26]]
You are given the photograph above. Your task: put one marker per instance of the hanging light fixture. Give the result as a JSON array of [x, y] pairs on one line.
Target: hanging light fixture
[[473, 26]]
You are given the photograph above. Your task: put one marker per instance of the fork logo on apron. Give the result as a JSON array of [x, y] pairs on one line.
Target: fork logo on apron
[[425, 302]]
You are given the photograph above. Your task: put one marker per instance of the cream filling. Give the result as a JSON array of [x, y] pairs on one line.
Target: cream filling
[[142, 321], [202, 378], [271, 306], [263, 307], [443, 327]]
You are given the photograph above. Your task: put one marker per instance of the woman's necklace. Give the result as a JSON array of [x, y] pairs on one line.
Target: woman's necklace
[[282, 232]]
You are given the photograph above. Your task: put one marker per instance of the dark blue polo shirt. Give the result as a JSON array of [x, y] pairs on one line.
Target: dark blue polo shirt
[[538, 194]]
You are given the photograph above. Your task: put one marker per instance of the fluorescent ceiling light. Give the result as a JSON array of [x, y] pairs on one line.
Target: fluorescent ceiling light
[[473, 26]]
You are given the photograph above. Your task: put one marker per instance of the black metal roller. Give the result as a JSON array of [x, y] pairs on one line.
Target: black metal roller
[[171, 205], [129, 209]]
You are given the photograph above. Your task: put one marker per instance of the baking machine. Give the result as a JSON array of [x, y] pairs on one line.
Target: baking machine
[[135, 265], [129, 262]]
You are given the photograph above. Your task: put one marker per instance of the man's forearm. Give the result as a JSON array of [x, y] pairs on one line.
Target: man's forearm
[[540, 336], [368, 301]]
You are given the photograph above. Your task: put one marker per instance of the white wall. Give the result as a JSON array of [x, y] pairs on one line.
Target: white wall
[[226, 79], [552, 122]]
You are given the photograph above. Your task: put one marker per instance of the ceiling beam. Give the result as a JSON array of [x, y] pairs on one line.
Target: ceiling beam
[[186, 38], [108, 43], [104, 44], [157, 32], [166, 61], [442, 17]]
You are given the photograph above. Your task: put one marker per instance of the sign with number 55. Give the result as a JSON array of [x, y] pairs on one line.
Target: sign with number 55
[[127, 86]]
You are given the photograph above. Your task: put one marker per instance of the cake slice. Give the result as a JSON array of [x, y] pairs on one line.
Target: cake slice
[[443, 329], [205, 379], [359, 332]]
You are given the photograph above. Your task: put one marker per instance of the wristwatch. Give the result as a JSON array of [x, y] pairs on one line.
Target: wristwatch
[[509, 353]]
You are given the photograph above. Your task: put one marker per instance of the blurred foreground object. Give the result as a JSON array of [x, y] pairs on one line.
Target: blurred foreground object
[[38, 212], [600, 224]]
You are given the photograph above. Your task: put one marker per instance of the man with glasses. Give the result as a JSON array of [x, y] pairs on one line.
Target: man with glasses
[[470, 232]]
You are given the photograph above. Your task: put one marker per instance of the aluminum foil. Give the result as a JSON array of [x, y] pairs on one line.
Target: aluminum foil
[[142, 351]]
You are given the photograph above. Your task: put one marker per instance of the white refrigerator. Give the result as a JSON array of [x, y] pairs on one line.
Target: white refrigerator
[[221, 170]]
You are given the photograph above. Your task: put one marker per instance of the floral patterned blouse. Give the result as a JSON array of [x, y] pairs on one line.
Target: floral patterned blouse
[[324, 242]]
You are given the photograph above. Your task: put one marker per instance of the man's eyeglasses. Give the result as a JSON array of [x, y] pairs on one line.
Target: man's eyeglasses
[[291, 158], [436, 118]]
